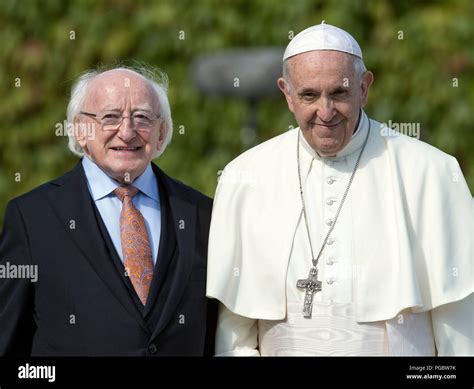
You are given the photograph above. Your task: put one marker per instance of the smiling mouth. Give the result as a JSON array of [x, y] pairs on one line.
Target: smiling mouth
[[126, 148], [327, 125]]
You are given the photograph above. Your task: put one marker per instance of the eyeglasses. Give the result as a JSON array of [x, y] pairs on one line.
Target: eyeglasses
[[111, 121]]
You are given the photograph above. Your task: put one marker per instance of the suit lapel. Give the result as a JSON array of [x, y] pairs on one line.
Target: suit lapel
[[73, 206], [166, 250], [183, 222]]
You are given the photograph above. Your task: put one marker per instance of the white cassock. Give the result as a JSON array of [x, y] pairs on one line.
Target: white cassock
[[397, 271]]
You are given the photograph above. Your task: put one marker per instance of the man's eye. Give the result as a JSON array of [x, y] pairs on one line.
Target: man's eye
[[110, 116], [141, 117], [308, 96]]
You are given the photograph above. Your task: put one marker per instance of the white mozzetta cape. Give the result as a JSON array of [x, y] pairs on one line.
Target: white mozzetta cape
[[412, 227]]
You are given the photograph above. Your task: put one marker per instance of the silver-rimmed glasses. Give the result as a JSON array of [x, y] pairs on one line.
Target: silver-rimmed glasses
[[111, 120]]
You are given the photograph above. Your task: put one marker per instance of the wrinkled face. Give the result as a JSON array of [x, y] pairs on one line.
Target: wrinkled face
[[325, 94], [123, 153]]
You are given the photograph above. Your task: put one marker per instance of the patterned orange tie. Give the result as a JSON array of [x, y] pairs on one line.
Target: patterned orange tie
[[136, 247]]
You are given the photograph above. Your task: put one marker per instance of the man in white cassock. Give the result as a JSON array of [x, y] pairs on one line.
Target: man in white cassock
[[341, 237]]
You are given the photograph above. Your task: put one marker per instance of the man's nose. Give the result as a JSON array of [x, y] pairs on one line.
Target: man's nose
[[126, 131], [325, 109]]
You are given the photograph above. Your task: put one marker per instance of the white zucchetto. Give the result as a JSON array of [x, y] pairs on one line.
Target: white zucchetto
[[322, 37]]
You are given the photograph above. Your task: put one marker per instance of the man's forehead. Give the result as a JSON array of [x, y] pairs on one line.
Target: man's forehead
[[321, 71], [119, 79], [120, 82], [321, 67]]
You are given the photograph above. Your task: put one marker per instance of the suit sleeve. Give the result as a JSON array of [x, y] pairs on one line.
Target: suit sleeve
[[211, 323], [16, 294]]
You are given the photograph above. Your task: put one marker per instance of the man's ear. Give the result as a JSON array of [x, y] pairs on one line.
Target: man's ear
[[161, 137], [367, 80], [285, 88], [80, 133]]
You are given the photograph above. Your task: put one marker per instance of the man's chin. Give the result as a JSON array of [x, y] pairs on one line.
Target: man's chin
[[126, 173], [328, 149]]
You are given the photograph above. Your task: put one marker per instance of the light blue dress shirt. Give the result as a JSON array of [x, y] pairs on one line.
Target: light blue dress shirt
[[147, 201]]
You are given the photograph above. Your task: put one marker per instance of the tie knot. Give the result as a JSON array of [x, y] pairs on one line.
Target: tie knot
[[123, 191]]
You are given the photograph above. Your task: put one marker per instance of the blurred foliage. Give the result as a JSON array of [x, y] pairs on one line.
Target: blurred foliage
[[413, 76]]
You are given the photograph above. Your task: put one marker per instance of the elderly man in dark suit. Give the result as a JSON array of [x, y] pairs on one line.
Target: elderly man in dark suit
[[119, 247]]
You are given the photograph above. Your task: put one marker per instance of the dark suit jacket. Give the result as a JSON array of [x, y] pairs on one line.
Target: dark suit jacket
[[83, 304]]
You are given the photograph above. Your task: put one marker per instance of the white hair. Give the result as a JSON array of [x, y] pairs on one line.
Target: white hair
[[158, 81], [359, 67]]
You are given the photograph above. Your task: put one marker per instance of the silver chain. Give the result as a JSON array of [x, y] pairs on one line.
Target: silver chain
[[315, 261]]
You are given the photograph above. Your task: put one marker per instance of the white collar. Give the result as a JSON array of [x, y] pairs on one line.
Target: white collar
[[355, 143]]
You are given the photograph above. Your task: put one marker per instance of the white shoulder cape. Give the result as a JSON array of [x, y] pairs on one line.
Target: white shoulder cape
[[413, 228]]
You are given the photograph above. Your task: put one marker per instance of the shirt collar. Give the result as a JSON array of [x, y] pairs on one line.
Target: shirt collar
[[147, 183], [355, 143], [101, 185]]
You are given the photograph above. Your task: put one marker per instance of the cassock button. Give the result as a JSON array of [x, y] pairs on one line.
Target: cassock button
[[329, 262], [329, 202], [330, 222], [330, 241], [330, 181], [152, 349], [330, 281]]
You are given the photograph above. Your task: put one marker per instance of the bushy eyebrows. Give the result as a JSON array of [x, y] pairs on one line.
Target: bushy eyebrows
[[113, 108], [334, 90]]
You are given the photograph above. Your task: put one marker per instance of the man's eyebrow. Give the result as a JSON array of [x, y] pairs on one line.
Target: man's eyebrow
[[308, 90], [144, 109], [339, 89], [135, 109], [336, 89]]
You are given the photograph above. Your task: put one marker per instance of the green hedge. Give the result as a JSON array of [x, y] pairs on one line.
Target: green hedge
[[413, 76]]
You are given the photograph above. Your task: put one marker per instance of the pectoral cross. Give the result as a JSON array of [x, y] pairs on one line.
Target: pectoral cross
[[312, 286]]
